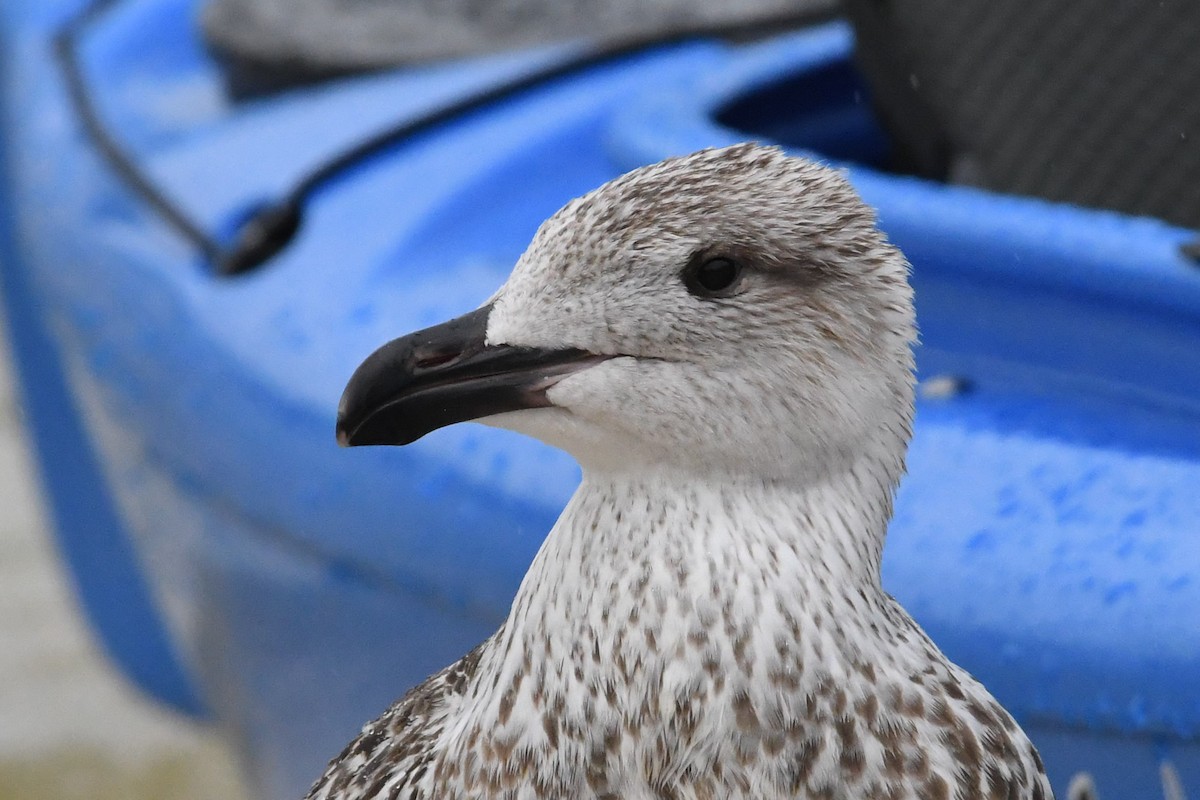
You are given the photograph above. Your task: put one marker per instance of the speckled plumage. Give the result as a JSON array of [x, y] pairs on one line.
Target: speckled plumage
[[706, 618]]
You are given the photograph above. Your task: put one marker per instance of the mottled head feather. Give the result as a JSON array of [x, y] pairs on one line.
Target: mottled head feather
[[805, 366]]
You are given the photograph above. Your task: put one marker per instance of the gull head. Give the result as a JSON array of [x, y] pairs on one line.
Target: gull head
[[734, 312]]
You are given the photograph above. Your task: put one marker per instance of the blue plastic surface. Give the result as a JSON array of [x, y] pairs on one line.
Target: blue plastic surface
[[112, 588], [1045, 536]]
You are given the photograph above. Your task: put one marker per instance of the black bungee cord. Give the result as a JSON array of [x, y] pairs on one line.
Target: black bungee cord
[[269, 230]]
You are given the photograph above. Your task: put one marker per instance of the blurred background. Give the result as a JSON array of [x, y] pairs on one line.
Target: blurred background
[[212, 210], [71, 727]]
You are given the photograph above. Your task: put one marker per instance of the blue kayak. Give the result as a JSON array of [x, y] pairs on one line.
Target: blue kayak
[[237, 564]]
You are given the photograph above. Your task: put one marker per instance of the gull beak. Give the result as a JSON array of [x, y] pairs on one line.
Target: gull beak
[[446, 374]]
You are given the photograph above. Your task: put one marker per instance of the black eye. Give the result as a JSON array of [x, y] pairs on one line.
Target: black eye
[[713, 277]]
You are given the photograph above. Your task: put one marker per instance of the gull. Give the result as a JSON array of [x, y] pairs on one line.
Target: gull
[[724, 343]]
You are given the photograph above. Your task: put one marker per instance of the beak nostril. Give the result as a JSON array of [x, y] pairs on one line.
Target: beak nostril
[[433, 360]]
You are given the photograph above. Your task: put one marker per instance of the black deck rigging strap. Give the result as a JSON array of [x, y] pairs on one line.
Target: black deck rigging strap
[[67, 53], [267, 232]]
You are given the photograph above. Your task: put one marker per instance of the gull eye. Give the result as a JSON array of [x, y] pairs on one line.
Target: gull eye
[[713, 277]]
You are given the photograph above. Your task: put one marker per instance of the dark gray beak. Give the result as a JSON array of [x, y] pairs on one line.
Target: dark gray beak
[[446, 374]]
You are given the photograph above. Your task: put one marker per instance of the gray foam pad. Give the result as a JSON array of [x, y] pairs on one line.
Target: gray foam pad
[[293, 41]]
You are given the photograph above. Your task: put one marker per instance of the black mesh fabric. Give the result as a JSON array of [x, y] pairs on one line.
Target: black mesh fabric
[[1094, 102], [271, 44]]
